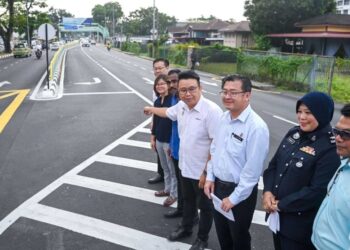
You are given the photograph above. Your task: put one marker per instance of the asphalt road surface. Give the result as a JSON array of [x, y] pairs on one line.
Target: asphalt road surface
[[74, 171]]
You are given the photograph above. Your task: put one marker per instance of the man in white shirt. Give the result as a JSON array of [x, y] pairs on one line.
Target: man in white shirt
[[238, 152], [197, 119]]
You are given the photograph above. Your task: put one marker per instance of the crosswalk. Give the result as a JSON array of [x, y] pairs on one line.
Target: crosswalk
[[34, 209]]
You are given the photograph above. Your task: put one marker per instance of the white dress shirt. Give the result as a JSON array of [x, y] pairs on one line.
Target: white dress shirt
[[238, 152], [196, 131]]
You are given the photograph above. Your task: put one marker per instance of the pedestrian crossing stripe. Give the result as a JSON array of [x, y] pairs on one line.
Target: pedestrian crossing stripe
[[6, 115]]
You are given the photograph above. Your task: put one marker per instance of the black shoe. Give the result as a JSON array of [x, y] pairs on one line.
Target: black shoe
[[179, 233], [156, 179], [199, 245], [173, 214]]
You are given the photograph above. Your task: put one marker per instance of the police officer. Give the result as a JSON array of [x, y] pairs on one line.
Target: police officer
[[296, 179]]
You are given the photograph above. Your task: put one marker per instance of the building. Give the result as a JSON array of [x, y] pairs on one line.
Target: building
[[322, 35], [343, 7], [238, 35]]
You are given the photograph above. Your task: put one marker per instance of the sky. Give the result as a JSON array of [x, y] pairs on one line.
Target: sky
[[181, 9]]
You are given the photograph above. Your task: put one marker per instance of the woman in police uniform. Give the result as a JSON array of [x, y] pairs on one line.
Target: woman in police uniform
[[296, 179]]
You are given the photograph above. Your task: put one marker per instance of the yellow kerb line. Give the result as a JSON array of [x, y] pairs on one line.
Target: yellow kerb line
[[5, 117]]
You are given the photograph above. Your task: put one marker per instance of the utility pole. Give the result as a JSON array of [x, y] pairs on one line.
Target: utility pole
[[113, 22], [27, 10], [154, 28]]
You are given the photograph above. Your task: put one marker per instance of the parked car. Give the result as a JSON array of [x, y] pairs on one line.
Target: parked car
[[22, 49], [93, 42], [55, 46]]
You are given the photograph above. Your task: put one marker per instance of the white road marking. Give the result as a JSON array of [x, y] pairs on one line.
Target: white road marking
[[100, 229], [4, 83], [285, 120], [143, 68], [126, 162], [133, 143], [204, 91], [148, 81], [145, 130], [209, 83], [96, 81], [133, 192], [99, 93]]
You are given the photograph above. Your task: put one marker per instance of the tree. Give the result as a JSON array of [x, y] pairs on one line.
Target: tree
[[56, 16], [6, 22], [140, 22], [202, 19], [279, 16], [106, 14]]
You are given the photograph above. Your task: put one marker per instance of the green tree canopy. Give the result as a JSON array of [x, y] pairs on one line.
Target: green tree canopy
[[140, 22], [105, 14], [279, 16]]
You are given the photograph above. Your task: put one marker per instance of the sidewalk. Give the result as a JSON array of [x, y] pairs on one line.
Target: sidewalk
[[5, 56]]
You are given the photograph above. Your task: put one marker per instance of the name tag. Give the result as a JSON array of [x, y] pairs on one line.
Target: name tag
[[238, 137]]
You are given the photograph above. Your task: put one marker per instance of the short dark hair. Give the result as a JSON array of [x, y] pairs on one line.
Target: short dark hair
[[174, 71], [165, 61], [345, 111], [189, 74], [246, 83], [160, 77]]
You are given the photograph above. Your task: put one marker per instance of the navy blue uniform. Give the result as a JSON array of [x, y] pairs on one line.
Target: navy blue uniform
[[297, 176]]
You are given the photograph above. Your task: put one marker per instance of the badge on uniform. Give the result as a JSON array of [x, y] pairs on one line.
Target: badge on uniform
[[309, 150], [291, 140], [238, 137], [296, 136], [299, 164]]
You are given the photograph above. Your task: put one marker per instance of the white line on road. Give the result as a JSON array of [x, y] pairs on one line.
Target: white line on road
[[143, 68], [126, 162], [99, 93], [209, 83], [145, 130], [4, 83], [100, 229], [133, 143], [204, 91], [148, 81], [133, 192], [96, 81], [285, 120]]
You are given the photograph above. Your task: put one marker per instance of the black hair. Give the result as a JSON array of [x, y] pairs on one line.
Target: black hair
[[160, 77], [345, 111], [174, 71], [246, 83], [165, 61], [189, 74]]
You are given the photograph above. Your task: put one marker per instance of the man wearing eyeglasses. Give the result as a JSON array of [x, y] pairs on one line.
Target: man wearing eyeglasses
[[238, 151], [331, 229], [198, 119]]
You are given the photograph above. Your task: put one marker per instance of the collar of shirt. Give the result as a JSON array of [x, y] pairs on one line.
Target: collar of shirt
[[243, 116], [198, 107]]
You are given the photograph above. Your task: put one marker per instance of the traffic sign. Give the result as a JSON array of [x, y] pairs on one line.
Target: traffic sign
[[51, 32]]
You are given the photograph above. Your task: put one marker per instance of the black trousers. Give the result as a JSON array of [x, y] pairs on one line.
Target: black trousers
[[234, 235], [159, 167], [195, 198], [283, 243], [180, 201]]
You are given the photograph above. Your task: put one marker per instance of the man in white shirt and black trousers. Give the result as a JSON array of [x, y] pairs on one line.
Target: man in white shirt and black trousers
[[198, 119], [238, 152]]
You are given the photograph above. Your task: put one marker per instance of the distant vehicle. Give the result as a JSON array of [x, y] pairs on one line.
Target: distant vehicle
[[21, 49], [85, 43], [93, 42], [44, 45], [55, 46]]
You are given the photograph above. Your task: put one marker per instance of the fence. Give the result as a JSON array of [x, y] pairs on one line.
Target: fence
[[290, 71]]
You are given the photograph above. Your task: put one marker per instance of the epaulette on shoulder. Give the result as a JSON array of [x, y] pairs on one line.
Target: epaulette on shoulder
[[331, 137]]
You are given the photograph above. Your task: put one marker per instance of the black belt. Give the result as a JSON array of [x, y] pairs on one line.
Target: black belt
[[225, 183]]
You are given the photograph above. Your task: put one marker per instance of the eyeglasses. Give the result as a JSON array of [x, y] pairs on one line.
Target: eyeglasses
[[345, 135], [190, 90], [230, 93]]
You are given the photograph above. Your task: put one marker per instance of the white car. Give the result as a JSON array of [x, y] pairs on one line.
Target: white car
[[55, 46], [85, 43]]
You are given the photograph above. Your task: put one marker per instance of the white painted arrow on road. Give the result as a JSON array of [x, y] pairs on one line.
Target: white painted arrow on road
[[148, 81], [96, 81], [4, 83]]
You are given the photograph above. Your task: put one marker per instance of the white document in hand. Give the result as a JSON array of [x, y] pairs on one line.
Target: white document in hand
[[274, 222], [217, 205]]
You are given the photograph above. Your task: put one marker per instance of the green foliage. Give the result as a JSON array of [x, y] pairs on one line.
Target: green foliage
[[262, 42], [132, 47], [341, 88], [105, 14], [342, 65], [279, 16], [275, 69], [217, 53]]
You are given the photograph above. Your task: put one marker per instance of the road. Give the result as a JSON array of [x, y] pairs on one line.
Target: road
[[73, 171]]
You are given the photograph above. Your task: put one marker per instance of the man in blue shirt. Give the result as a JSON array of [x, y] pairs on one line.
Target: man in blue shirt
[[331, 229], [238, 152]]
